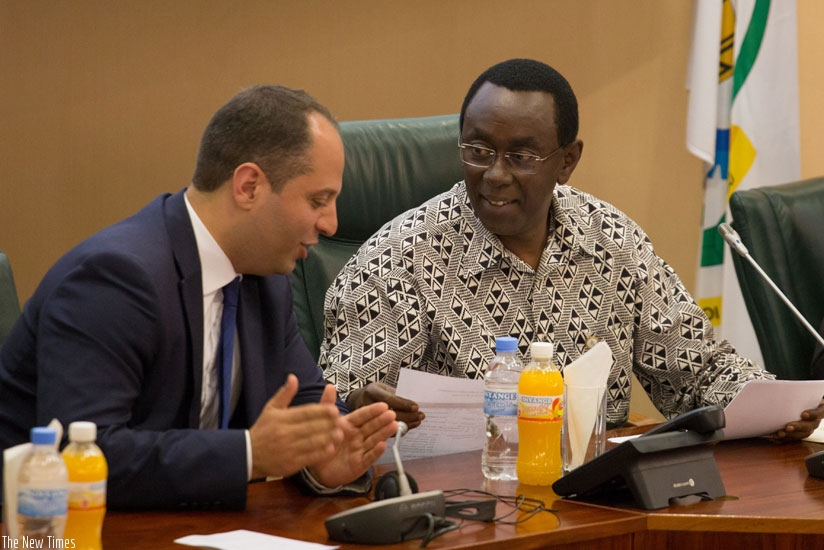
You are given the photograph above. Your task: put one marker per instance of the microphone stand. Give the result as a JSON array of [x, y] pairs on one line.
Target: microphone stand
[[403, 481], [734, 240]]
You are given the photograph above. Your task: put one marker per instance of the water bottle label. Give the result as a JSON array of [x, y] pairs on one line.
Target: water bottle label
[[541, 407], [500, 403], [87, 496], [37, 502]]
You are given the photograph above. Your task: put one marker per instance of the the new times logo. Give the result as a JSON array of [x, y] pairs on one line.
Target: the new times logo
[[37, 542]]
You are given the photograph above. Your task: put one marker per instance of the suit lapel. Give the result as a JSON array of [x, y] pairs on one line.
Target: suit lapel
[[190, 287]]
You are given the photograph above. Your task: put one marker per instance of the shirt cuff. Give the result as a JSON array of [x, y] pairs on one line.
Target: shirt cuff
[[360, 486], [248, 456]]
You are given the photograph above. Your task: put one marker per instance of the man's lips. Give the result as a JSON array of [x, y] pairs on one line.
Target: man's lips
[[498, 202]]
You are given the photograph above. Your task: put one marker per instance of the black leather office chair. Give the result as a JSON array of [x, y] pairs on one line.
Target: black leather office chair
[[9, 304], [783, 228], [392, 165]]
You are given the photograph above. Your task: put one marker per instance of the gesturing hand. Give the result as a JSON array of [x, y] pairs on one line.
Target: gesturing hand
[[365, 433], [285, 439]]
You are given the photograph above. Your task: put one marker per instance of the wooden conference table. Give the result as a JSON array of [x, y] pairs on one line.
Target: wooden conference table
[[771, 503]]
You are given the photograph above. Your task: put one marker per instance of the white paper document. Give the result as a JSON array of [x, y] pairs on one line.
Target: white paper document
[[763, 407], [454, 409], [249, 540]]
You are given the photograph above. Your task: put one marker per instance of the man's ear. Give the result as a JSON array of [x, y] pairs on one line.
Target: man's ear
[[247, 182], [571, 158]]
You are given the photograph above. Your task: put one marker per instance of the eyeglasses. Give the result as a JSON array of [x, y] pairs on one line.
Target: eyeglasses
[[484, 157]]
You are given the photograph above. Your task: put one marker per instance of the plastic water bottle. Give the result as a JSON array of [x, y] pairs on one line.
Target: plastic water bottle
[[42, 493], [88, 472], [540, 416], [501, 411]]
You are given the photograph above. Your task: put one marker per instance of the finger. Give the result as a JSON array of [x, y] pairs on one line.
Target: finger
[[379, 429], [813, 415], [375, 392], [384, 387], [401, 404], [329, 395], [307, 434], [285, 393], [801, 430], [412, 419], [359, 417], [311, 416], [371, 455]]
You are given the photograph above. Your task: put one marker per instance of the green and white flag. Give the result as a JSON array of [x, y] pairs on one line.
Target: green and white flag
[[743, 121]]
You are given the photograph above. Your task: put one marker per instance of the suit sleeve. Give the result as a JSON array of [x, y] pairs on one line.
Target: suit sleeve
[[100, 331]]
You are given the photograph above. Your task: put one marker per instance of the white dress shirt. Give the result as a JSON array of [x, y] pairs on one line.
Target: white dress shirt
[[217, 271]]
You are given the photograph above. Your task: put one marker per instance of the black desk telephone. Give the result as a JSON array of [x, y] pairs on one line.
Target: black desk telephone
[[671, 461]]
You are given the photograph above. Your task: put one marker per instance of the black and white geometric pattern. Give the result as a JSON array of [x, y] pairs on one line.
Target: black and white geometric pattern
[[433, 289]]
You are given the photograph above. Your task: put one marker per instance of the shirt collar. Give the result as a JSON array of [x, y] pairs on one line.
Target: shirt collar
[[215, 267], [571, 218]]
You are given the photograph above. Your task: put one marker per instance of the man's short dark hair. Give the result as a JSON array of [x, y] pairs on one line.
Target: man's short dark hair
[[528, 75], [267, 125]]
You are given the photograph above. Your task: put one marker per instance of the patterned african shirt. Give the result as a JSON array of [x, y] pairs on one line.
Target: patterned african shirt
[[433, 288]]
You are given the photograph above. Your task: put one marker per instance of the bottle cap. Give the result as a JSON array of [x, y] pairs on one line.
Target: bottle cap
[[43, 436], [82, 432], [542, 350], [506, 344]]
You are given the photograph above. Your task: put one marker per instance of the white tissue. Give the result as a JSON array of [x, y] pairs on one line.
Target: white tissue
[[587, 373]]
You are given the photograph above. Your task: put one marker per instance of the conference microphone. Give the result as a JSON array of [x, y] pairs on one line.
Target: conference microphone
[[734, 240], [396, 515]]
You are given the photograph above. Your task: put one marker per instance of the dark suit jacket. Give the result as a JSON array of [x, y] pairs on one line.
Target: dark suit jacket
[[114, 334]]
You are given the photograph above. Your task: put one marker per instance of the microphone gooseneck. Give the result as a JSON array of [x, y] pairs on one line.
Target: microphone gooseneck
[[734, 241], [403, 482]]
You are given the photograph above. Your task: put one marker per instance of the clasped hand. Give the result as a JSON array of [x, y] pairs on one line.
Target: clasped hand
[[406, 410], [804, 427], [337, 449]]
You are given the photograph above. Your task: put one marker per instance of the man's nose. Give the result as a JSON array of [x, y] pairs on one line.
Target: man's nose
[[328, 222], [499, 172]]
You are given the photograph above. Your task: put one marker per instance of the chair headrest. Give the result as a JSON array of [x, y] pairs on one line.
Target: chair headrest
[[393, 165]]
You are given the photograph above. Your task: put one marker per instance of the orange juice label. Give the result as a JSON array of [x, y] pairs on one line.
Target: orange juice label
[[541, 407], [87, 495]]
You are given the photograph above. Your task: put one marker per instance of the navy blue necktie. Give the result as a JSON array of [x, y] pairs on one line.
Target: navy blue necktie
[[225, 350]]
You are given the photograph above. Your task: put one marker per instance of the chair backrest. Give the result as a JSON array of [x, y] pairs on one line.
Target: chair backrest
[[392, 165], [783, 228], [9, 304]]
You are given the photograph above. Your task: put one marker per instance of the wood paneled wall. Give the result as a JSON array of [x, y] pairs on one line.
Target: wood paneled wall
[[103, 102]]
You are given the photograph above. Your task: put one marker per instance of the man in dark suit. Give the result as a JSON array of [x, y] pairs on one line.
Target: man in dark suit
[[123, 330]]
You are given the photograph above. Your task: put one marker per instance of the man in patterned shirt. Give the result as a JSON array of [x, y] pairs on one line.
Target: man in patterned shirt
[[515, 251]]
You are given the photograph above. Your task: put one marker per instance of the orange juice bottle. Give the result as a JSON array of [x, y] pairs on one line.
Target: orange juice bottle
[[540, 416], [88, 472]]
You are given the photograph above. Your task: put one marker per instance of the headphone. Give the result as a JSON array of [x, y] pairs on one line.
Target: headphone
[[396, 483], [481, 507]]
